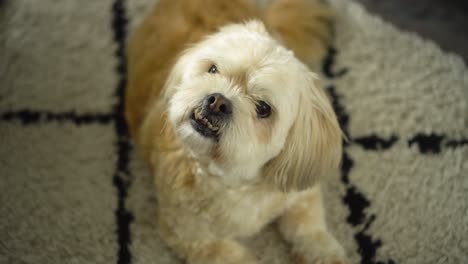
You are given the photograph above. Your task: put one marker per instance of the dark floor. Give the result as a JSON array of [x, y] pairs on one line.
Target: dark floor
[[443, 21]]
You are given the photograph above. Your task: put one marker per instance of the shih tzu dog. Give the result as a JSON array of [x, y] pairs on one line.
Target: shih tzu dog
[[236, 129]]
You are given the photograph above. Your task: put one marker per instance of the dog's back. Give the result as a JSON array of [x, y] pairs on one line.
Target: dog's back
[[301, 25]]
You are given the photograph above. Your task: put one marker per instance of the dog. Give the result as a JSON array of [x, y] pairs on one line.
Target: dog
[[237, 131]]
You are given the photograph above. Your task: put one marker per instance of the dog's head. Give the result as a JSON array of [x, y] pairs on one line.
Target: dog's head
[[245, 106]]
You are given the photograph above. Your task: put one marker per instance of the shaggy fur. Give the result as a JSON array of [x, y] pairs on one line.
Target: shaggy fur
[[253, 170]]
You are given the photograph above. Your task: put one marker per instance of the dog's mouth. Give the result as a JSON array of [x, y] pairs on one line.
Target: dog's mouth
[[204, 124]]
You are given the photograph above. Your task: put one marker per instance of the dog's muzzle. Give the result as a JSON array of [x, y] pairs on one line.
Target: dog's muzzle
[[211, 115]]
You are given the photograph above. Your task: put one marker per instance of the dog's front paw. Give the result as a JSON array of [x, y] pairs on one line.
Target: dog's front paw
[[335, 260], [321, 248], [299, 259]]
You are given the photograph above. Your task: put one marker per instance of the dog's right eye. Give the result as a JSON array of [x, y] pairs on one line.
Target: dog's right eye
[[213, 69]]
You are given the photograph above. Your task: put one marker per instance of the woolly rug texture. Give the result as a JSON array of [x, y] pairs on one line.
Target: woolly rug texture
[[72, 189]]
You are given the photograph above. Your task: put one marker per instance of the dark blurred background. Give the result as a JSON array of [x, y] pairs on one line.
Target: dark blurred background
[[443, 21]]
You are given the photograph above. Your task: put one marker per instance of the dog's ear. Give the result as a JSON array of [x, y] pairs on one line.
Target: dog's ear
[[313, 146], [156, 113], [175, 75]]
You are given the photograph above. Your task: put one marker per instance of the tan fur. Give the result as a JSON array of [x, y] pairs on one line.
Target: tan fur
[[290, 20], [264, 129], [211, 193], [240, 79]]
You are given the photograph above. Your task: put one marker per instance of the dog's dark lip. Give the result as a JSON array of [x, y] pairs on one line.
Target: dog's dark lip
[[202, 129]]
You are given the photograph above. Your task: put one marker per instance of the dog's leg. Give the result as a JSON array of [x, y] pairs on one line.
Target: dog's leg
[[221, 252], [304, 26], [200, 246], [304, 226], [216, 252]]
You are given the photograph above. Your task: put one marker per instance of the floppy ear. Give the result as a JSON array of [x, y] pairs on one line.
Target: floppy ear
[[156, 116], [175, 74], [313, 146]]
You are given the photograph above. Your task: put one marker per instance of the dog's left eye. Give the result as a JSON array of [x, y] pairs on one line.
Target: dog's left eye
[[263, 109], [213, 69]]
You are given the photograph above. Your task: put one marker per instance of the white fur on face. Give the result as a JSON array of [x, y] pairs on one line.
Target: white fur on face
[[252, 67]]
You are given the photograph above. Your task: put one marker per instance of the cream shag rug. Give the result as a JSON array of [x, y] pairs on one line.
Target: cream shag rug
[[72, 190]]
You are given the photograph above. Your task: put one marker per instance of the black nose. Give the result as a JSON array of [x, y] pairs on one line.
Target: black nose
[[217, 104]]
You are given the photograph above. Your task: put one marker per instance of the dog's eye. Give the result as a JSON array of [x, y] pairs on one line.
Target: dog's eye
[[213, 69], [263, 109]]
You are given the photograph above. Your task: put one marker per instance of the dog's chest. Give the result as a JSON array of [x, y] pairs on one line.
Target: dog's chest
[[244, 211]]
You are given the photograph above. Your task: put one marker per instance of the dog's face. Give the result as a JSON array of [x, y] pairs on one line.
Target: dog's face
[[246, 107]]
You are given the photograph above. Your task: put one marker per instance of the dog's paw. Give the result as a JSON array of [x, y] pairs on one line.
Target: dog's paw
[[321, 248], [332, 260], [299, 259]]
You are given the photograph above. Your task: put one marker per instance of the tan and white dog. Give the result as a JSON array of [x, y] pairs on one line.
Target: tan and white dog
[[234, 124]]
